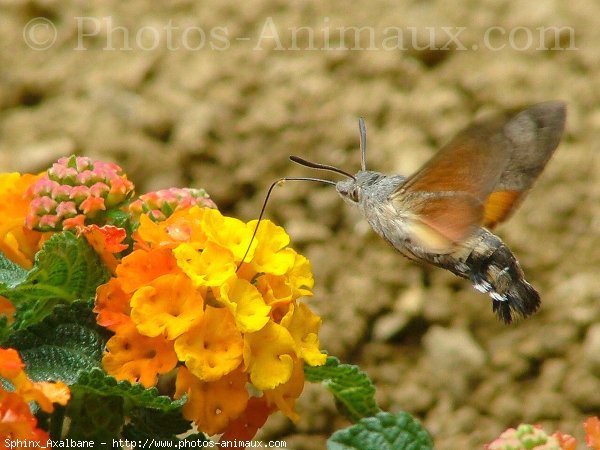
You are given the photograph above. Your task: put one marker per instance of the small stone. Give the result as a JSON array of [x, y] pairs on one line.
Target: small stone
[[451, 350], [408, 306], [455, 360], [582, 389]]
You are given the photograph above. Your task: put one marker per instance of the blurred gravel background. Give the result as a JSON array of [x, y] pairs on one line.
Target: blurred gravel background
[[224, 114]]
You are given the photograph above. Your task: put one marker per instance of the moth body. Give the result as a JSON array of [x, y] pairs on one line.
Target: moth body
[[483, 258]]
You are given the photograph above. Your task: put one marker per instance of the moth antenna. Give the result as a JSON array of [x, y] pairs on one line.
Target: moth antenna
[[264, 206], [314, 165], [362, 129]]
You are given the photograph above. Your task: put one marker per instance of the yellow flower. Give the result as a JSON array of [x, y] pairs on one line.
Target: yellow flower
[[214, 347], [136, 358], [277, 292], [17, 242], [304, 326], [214, 404], [170, 304], [271, 254], [301, 277], [212, 267], [269, 356], [285, 395], [229, 233], [246, 304]]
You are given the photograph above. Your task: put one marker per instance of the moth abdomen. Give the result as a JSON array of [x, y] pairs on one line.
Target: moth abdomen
[[495, 270]]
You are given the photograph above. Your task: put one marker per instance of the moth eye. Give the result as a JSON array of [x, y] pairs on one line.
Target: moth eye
[[354, 194]]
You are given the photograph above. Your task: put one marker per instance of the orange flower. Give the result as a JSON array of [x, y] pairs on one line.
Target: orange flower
[[214, 404], [17, 242], [43, 393], [112, 305], [245, 427], [169, 305], [17, 421], [11, 364], [592, 432], [106, 241], [182, 226], [134, 357], [141, 267], [565, 441], [7, 309]]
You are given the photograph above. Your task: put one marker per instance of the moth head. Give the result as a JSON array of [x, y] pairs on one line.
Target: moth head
[[349, 190], [353, 189]]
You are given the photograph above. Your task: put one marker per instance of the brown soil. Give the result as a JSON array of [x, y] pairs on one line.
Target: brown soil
[[226, 120]]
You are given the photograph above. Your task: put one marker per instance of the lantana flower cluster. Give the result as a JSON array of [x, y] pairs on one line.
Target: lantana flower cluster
[[159, 205], [16, 420], [193, 294], [200, 298], [533, 437], [74, 192]]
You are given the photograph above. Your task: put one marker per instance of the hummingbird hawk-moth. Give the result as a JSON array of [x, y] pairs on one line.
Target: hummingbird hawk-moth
[[444, 213]]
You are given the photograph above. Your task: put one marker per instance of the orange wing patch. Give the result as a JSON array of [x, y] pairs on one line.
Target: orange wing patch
[[498, 207]]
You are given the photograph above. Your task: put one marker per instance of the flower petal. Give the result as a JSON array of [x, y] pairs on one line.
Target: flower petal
[[246, 303], [285, 395], [304, 326], [141, 267], [214, 347], [268, 356], [136, 358], [112, 305], [170, 304], [270, 255], [212, 405], [229, 233], [212, 267]]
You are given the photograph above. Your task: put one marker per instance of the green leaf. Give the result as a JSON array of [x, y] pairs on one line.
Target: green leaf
[[96, 418], [65, 269], [136, 395], [151, 422], [384, 431], [65, 343], [100, 403], [353, 390], [10, 273]]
